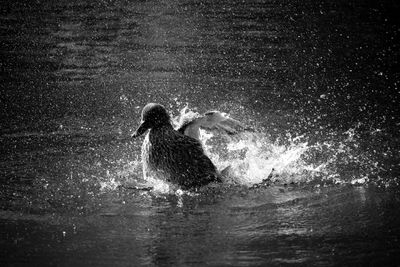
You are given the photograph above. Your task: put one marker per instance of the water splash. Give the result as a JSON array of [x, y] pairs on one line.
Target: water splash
[[334, 158], [253, 157]]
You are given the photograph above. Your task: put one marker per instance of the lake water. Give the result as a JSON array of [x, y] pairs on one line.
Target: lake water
[[317, 80]]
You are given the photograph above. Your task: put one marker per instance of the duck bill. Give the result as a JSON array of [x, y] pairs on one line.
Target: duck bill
[[143, 127]]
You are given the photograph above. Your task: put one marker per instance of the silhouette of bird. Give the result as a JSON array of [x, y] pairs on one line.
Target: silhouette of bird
[[177, 156]]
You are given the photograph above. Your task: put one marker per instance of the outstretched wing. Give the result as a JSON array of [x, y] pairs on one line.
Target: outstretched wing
[[215, 120], [211, 121]]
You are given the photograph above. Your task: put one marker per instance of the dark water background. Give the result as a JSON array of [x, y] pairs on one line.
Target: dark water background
[[75, 74]]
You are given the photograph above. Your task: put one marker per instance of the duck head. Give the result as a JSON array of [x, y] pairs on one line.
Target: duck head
[[153, 116]]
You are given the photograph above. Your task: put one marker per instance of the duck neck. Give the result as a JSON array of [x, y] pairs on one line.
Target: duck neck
[[166, 126]]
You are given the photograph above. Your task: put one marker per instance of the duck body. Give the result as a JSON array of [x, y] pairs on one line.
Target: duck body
[[170, 155]]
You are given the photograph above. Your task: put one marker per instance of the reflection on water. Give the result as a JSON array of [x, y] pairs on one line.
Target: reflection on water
[[343, 225], [317, 80]]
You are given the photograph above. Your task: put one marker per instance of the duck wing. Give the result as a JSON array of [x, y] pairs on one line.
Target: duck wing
[[190, 124], [215, 120]]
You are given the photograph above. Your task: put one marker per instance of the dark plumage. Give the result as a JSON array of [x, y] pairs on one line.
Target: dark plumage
[[170, 155]]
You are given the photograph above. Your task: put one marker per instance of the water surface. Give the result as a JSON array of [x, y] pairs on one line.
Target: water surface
[[318, 81]]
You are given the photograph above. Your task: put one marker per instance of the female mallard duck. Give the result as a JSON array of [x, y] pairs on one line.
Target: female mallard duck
[[177, 155]]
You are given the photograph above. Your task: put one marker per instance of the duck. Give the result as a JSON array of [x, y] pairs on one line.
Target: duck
[[176, 154]]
